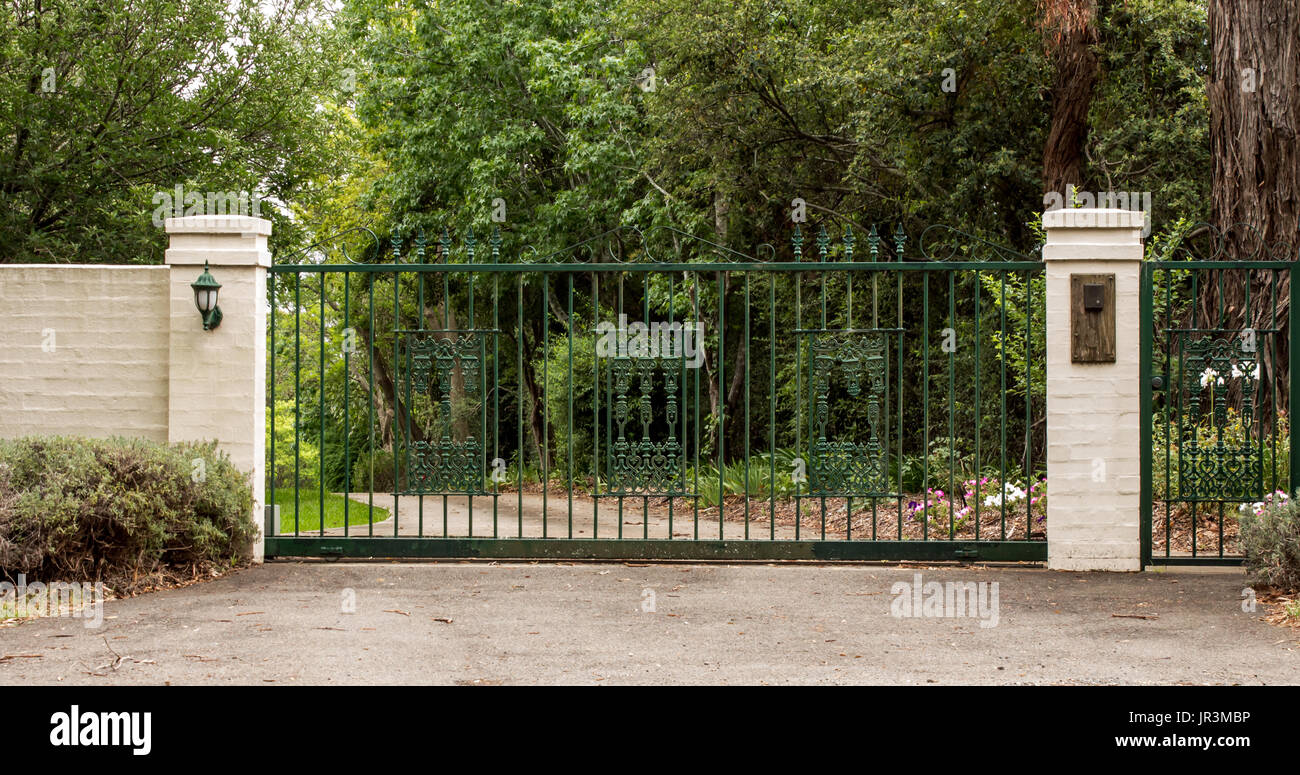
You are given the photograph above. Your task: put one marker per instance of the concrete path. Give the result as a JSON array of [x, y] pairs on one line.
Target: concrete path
[[589, 518], [285, 623]]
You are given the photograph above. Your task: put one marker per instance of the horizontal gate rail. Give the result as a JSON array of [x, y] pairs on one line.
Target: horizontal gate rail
[[656, 549], [856, 405]]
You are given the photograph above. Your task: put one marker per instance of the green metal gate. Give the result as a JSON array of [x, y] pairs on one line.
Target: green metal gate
[[656, 395], [1215, 336]]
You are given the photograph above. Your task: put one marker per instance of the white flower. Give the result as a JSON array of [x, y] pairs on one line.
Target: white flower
[[1208, 376]]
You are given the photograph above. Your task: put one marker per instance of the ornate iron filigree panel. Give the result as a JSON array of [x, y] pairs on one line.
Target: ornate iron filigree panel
[[859, 359], [443, 426], [1218, 459], [645, 466]]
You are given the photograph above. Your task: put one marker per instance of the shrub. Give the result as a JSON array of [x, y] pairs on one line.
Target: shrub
[[292, 454], [119, 510], [1270, 541], [383, 463]]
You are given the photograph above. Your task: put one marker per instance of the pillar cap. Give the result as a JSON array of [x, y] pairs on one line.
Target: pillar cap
[[245, 225], [1093, 218]]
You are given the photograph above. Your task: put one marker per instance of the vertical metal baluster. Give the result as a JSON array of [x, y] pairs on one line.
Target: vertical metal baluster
[[545, 446], [1029, 402], [681, 408], [595, 411], [722, 399], [695, 300], [899, 239], [1002, 356], [952, 437], [822, 244], [320, 396], [273, 468], [571, 386], [771, 403], [645, 431], [297, 397], [519, 341], [347, 393], [471, 327], [978, 459], [496, 378], [747, 375], [848, 257], [370, 522], [925, 405], [803, 343], [873, 243], [397, 325]]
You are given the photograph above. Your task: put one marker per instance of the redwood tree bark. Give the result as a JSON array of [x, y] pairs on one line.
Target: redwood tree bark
[[1069, 30], [1254, 95]]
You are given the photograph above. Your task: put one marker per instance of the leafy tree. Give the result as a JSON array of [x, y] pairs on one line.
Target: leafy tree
[[106, 104]]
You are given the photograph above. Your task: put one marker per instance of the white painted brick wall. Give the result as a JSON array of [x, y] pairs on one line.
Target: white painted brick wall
[[1093, 434], [107, 372]]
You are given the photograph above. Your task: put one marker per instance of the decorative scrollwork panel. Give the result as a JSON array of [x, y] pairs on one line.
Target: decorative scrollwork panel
[[443, 421], [857, 361], [1219, 455], [646, 466]]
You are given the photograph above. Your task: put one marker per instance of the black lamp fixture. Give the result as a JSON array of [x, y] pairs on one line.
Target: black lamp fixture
[[205, 298]]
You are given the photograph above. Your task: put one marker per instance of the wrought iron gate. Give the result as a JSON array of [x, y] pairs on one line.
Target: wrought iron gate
[[1215, 332], [656, 395]]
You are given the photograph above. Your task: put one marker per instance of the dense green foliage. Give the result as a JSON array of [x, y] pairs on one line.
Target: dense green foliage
[[570, 118], [107, 105], [119, 510], [582, 116]]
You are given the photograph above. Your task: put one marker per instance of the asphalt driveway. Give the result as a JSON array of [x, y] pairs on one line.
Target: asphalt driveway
[[621, 623]]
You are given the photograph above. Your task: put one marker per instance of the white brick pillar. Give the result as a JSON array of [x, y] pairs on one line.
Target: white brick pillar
[[1093, 434], [217, 378]]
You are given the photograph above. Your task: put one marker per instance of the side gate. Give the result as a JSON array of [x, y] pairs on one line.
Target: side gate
[[1218, 369], [658, 396]]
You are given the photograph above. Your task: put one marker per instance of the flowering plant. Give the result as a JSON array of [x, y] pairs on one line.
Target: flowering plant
[[1257, 508], [989, 492]]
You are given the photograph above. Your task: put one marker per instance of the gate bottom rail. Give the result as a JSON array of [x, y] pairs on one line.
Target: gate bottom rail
[[653, 549]]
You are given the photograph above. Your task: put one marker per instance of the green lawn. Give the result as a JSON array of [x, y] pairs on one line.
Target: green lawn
[[309, 511]]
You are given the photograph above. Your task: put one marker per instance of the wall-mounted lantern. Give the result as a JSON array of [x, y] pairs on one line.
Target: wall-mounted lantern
[[205, 298]]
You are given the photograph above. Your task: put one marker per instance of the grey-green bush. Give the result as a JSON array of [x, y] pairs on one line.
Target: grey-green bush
[[119, 510], [1270, 543]]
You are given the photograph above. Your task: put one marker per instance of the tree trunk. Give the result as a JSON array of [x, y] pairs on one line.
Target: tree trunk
[[1069, 31], [534, 388], [1254, 94]]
